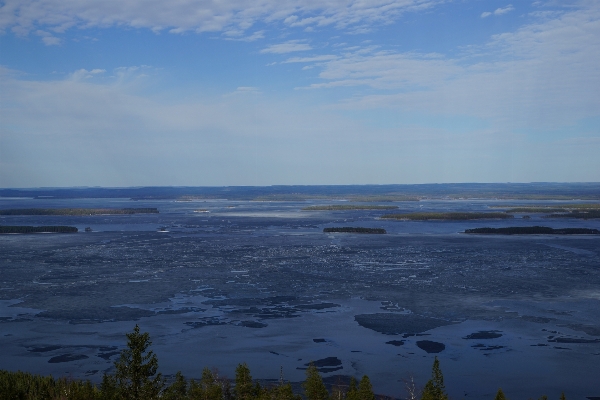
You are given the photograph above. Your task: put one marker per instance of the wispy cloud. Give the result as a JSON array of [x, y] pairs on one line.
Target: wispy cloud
[[287, 47], [543, 74], [25, 16], [498, 11], [325, 57]]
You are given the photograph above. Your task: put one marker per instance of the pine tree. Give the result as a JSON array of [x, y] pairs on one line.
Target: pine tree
[[211, 388], [365, 389], [434, 388], [136, 369], [243, 389], [500, 395], [177, 390], [562, 396], [352, 393], [314, 388]]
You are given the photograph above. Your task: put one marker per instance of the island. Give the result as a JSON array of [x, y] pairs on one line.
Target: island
[[344, 207], [532, 230], [78, 211], [348, 229], [449, 216], [37, 229], [589, 214]]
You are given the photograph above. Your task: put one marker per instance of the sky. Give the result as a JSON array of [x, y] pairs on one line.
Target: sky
[[275, 92]]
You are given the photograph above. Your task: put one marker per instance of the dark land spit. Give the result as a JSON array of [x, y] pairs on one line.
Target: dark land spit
[[533, 230]]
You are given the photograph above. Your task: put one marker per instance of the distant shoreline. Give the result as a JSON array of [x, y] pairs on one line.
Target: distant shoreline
[[344, 207], [348, 229], [532, 230], [5, 229], [78, 211], [449, 216]]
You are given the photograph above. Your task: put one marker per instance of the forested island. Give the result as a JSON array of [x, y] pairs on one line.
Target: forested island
[[136, 377], [533, 230], [344, 207], [590, 214], [78, 211], [449, 216], [348, 229], [37, 229]]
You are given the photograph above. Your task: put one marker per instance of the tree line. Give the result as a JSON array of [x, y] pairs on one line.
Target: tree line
[[78, 211], [37, 229], [136, 377]]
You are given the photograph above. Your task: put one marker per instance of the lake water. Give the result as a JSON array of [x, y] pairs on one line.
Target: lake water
[[259, 282]]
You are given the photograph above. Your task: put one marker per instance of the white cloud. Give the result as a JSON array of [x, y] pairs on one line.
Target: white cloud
[[498, 11], [325, 57], [47, 38], [542, 75], [177, 16], [287, 47], [239, 36], [501, 11], [51, 40]]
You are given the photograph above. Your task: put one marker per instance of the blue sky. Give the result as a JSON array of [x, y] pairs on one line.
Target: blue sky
[[232, 92]]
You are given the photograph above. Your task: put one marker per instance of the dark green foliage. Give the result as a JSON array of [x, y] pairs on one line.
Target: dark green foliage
[[25, 386], [352, 393], [314, 388], [365, 389], [209, 387], [136, 369], [562, 396], [38, 229], [108, 388], [177, 390], [347, 229], [533, 230], [500, 395], [434, 388], [78, 211], [543, 397], [244, 389], [454, 216]]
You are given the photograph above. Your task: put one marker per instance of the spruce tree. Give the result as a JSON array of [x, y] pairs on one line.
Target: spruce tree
[[136, 369], [500, 395], [434, 388], [562, 396], [314, 388], [352, 393], [177, 390], [211, 388], [244, 389], [365, 389]]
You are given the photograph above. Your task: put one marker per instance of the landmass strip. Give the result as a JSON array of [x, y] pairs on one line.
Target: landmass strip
[[38, 229], [78, 211], [343, 207], [451, 216], [533, 230], [348, 229]]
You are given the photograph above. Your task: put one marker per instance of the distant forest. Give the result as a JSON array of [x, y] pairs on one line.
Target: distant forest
[[451, 216], [348, 229], [78, 211], [531, 191], [343, 207], [533, 230], [37, 229], [136, 377]]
